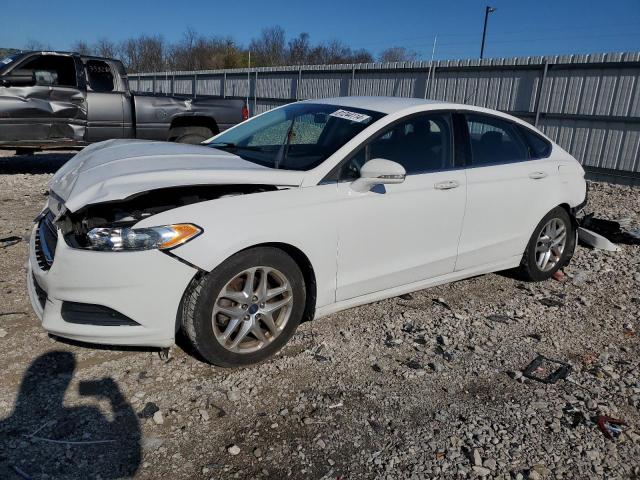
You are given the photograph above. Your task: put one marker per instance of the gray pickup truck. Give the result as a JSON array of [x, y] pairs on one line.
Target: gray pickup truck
[[59, 99]]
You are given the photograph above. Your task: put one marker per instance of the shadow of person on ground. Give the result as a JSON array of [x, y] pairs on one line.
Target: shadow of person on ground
[[44, 162], [43, 438]]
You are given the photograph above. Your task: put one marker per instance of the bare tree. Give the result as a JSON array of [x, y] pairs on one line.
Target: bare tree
[[299, 48], [144, 54], [362, 56], [81, 47], [105, 48], [197, 52], [398, 54], [269, 48], [32, 44]]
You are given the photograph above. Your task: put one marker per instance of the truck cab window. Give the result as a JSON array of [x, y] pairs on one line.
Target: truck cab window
[[52, 70], [100, 76]]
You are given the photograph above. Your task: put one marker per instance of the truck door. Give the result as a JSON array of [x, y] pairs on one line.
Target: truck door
[[106, 97], [51, 111]]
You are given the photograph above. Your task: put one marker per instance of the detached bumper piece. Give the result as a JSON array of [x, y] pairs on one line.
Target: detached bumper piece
[[88, 314]]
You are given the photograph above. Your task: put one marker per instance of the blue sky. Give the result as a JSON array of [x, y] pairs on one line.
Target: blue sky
[[518, 27]]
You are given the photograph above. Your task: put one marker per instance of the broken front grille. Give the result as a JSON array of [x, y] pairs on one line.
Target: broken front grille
[[46, 241]]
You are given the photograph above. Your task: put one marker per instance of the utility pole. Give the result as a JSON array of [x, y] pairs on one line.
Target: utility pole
[[487, 11]]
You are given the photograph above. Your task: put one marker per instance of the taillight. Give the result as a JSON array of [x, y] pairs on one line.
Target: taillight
[[245, 112]]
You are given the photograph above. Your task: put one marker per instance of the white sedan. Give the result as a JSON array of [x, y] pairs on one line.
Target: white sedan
[[305, 210]]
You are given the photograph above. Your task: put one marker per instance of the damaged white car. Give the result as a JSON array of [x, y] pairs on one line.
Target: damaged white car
[[302, 211]]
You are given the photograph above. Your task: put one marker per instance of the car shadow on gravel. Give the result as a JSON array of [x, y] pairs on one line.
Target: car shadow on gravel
[[44, 438], [39, 163]]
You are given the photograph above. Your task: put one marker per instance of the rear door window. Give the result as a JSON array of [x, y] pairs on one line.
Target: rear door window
[[99, 76], [494, 140]]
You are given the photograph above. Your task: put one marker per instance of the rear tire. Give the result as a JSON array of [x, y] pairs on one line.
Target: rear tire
[[208, 326], [548, 251], [190, 135]]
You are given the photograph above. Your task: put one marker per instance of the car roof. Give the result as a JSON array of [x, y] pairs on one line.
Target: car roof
[[378, 104], [390, 105]]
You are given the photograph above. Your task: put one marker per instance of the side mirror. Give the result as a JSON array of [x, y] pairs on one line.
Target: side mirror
[[378, 172], [19, 78]]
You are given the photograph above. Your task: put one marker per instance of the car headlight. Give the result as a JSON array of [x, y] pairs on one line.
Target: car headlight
[[127, 239]]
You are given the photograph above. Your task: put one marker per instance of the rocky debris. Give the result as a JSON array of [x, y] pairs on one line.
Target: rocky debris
[[406, 388], [149, 410], [158, 418]]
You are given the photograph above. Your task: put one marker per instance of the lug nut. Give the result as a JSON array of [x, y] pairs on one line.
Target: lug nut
[[262, 305], [245, 306], [254, 298], [246, 317]]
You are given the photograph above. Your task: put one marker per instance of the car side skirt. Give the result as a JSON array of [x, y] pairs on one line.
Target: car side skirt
[[415, 286]]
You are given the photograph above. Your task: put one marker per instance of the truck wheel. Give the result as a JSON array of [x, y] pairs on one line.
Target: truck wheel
[[192, 135], [246, 309]]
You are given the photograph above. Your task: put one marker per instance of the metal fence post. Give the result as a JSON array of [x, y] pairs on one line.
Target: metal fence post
[[299, 83], [173, 84], [153, 84], [545, 69], [353, 79], [223, 87], [195, 84]]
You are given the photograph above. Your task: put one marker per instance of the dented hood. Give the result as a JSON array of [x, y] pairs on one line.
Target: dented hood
[[117, 169]]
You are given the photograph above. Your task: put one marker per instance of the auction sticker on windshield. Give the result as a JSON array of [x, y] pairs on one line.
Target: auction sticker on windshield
[[353, 116]]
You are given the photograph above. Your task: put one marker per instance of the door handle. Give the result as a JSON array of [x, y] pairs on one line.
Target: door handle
[[537, 175], [446, 185]]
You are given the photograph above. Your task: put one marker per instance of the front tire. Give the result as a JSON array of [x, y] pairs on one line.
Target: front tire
[[246, 309], [550, 247]]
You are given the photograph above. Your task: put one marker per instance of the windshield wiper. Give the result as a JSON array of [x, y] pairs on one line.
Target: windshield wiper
[[283, 151], [233, 146], [223, 145]]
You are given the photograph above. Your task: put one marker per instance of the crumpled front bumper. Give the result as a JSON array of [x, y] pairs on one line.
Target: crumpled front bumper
[[145, 286]]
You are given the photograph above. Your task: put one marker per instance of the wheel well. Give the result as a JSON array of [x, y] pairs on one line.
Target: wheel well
[[307, 271], [187, 300], [195, 121], [571, 214]]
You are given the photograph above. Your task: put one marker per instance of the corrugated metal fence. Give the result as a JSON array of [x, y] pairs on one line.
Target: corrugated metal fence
[[589, 104]]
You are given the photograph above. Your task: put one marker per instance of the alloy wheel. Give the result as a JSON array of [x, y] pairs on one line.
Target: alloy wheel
[[252, 309], [550, 244]]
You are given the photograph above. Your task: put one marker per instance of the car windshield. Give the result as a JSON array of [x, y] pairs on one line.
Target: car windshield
[[299, 136], [6, 61]]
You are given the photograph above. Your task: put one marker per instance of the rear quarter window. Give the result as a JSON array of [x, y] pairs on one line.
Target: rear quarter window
[[539, 147]]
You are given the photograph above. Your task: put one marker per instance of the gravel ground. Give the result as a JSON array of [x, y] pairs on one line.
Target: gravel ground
[[425, 386]]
